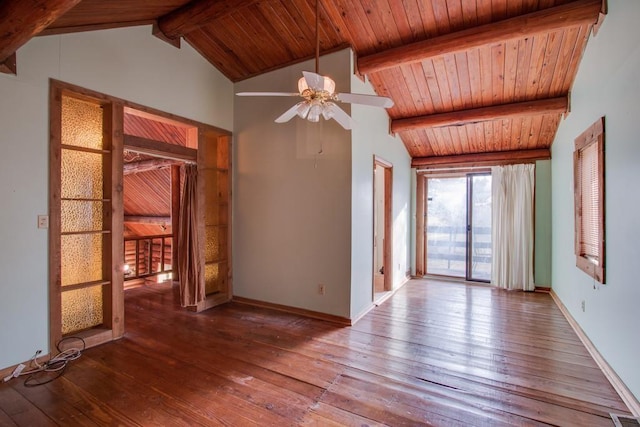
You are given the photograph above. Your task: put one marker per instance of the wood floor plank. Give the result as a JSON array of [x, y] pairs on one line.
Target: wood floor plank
[[442, 354]]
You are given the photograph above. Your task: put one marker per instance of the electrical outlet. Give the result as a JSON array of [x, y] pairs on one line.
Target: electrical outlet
[[582, 306], [43, 221], [321, 289]]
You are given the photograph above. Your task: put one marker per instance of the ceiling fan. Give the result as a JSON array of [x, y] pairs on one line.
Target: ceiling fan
[[319, 96]]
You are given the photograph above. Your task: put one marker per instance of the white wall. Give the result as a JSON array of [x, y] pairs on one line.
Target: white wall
[[127, 63], [607, 85], [371, 137], [292, 206]]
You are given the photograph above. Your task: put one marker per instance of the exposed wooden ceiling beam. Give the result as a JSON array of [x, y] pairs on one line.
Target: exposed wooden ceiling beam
[[579, 12], [197, 13], [148, 219], [160, 149], [495, 112], [481, 159], [21, 20], [147, 165]]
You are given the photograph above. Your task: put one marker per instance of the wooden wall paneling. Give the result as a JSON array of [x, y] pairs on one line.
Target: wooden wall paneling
[[428, 19], [569, 43], [497, 73], [357, 16], [205, 42], [510, 68], [197, 13], [534, 135], [289, 35], [483, 11], [473, 65], [554, 41], [441, 15], [453, 80], [432, 82], [406, 18], [524, 56], [536, 65], [422, 96], [413, 90], [582, 38], [486, 75], [469, 14], [464, 79], [443, 83]]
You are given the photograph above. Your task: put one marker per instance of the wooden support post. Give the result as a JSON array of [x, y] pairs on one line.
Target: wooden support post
[[175, 218]]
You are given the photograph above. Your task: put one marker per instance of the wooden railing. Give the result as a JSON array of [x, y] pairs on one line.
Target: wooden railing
[[147, 256], [447, 248]]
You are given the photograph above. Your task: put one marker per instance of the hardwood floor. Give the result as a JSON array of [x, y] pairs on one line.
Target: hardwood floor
[[435, 353]]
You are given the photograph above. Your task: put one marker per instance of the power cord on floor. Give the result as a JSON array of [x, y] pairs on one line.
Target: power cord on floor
[[42, 373]]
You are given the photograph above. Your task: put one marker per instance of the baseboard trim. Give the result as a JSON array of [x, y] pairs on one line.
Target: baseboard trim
[[342, 321], [625, 394]]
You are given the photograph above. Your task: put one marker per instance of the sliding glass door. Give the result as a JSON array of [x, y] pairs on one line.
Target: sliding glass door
[[458, 226]]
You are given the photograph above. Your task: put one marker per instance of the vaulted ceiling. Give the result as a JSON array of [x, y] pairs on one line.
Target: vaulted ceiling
[[468, 77]]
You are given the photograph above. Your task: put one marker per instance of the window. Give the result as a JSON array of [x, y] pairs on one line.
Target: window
[[588, 181]]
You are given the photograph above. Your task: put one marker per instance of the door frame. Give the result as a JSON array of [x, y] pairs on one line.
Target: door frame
[[421, 211], [387, 254], [113, 293]]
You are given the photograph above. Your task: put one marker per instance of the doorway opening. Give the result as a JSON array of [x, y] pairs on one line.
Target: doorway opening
[[458, 226], [382, 229], [86, 209], [153, 178]]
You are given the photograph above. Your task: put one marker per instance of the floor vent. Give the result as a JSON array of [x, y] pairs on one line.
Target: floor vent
[[625, 420]]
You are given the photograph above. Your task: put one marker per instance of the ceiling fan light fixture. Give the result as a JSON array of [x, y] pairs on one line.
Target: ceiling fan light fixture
[[327, 111], [328, 85], [314, 112], [303, 109]]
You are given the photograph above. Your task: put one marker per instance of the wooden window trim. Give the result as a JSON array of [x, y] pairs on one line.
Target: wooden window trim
[[594, 134]]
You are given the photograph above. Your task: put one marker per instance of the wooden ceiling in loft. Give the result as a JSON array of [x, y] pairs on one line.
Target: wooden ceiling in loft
[[468, 77]]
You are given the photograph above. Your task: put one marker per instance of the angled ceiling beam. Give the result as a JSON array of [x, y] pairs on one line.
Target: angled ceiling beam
[[21, 20], [147, 165], [579, 12], [197, 13], [495, 112], [481, 159]]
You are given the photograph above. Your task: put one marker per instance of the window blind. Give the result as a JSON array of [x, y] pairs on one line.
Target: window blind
[[589, 197]]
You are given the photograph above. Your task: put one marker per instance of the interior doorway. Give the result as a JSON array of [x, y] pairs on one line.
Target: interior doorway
[[382, 228], [86, 214]]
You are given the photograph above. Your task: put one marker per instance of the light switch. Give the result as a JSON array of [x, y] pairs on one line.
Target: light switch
[[43, 221]]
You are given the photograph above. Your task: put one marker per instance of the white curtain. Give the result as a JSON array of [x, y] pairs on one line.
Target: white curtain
[[512, 226]]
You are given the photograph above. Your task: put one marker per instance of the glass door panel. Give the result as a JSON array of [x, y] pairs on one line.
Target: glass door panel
[[458, 226], [446, 226], [479, 228]]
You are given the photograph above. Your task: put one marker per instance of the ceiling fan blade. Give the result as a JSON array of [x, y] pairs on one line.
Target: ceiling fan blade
[[340, 116], [289, 114], [268, 94], [314, 81], [373, 100]]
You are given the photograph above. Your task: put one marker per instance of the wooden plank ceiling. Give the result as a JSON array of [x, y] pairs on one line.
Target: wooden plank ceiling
[[466, 76]]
